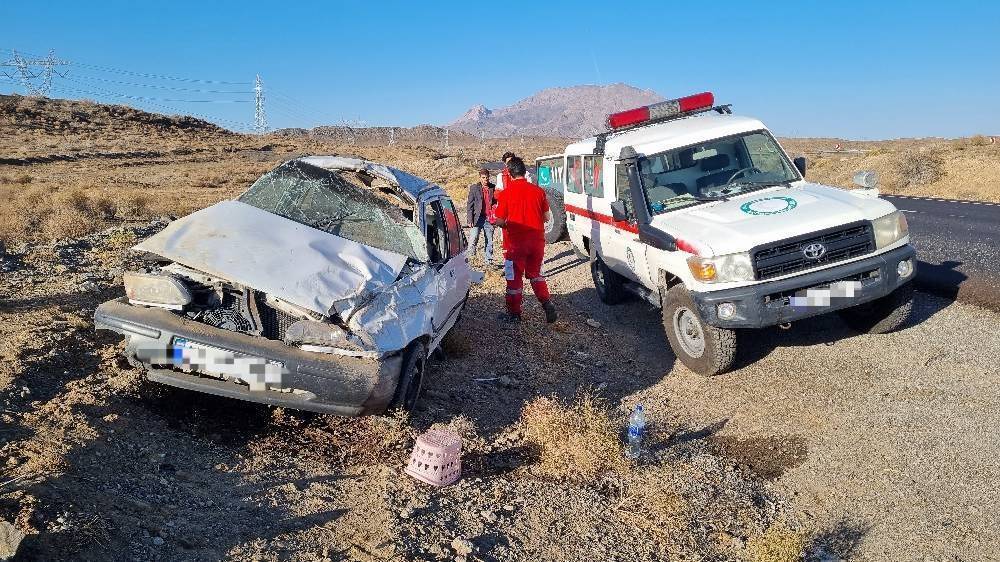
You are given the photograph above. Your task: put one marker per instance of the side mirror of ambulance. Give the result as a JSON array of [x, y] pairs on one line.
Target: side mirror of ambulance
[[867, 182], [800, 164], [618, 211]]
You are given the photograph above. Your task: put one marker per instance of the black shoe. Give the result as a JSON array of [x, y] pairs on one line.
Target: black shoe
[[550, 311]]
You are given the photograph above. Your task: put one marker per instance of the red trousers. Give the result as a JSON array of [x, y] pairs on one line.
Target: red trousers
[[524, 258]]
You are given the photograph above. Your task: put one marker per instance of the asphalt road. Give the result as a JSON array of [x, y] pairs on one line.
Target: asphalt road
[[958, 247]]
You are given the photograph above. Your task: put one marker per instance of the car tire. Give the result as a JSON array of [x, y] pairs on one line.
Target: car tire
[[881, 316], [610, 285], [706, 350], [555, 230], [411, 378]]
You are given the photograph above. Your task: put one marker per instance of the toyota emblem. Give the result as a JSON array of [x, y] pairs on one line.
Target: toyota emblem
[[814, 251]]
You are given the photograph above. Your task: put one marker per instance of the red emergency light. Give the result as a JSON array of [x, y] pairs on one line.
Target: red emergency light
[[661, 110]]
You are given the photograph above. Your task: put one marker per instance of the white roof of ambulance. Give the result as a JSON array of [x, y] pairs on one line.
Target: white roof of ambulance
[[670, 134]]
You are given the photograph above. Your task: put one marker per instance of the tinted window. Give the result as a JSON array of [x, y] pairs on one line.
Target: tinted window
[[453, 228]]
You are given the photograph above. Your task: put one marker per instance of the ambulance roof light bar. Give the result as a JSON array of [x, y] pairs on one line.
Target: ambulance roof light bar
[[657, 112], [661, 111]]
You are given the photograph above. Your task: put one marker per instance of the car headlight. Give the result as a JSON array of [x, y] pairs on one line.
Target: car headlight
[[151, 289], [890, 229], [721, 269]]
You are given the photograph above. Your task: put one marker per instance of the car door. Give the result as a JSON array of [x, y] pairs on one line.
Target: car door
[[627, 254], [446, 244]]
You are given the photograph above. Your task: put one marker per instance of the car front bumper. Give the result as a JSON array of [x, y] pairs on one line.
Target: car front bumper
[[769, 303], [319, 382]]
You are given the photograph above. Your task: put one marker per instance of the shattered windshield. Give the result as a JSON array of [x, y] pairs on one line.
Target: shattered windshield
[[338, 202], [713, 170]]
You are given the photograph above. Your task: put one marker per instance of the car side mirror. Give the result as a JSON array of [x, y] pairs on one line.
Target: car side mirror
[[618, 211], [800, 164]]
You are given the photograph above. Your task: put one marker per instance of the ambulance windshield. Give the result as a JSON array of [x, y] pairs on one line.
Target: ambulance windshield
[[714, 170]]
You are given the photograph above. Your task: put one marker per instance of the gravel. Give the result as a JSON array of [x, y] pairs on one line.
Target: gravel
[[898, 432]]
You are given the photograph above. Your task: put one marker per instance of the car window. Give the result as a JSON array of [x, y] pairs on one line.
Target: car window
[[437, 242], [574, 174], [453, 228], [329, 201], [593, 184]]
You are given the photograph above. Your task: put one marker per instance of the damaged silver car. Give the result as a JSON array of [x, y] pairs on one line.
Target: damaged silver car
[[325, 287]]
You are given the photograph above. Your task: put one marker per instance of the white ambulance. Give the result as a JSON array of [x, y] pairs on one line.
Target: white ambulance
[[703, 214]]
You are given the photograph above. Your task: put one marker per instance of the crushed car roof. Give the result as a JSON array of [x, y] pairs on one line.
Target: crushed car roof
[[410, 184]]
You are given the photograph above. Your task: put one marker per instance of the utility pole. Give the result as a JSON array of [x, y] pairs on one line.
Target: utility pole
[[446, 139], [392, 136], [259, 119], [26, 75]]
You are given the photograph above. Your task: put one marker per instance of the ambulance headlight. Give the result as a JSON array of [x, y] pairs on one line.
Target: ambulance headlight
[[721, 269], [890, 229], [151, 289]]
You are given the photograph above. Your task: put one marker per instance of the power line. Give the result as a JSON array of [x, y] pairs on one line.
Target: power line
[[147, 98], [161, 87]]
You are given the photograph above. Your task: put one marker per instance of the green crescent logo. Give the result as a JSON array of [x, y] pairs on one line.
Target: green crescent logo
[[766, 209]]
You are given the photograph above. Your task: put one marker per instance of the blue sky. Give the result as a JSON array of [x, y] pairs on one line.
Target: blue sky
[[858, 70]]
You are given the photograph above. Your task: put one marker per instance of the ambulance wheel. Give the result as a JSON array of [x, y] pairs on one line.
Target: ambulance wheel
[[411, 378], [610, 286], [704, 349], [555, 229], [883, 315]]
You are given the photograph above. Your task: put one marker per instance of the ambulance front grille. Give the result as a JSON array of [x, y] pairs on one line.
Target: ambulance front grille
[[787, 256]]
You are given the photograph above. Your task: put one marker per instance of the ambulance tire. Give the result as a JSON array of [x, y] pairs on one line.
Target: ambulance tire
[[610, 285], [411, 378], [555, 230], [881, 316], [706, 350]]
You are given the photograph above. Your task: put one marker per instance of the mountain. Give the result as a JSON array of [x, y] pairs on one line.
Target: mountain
[[571, 112]]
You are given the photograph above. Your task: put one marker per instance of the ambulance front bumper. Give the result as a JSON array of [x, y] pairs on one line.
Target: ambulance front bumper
[[819, 292]]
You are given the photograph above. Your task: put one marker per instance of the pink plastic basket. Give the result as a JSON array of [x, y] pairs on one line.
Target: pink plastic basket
[[436, 457]]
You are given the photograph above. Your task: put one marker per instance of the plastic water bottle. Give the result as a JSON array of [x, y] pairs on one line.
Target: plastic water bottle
[[636, 427]]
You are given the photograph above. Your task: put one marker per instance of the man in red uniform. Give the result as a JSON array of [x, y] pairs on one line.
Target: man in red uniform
[[522, 209]]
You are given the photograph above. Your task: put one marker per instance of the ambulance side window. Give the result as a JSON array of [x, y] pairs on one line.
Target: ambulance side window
[[622, 190], [593, 183], [574, 174]]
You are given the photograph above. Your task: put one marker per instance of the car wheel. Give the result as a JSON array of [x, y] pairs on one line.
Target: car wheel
[[411, 378], [706, 350], [555, 229], [610, 285], [883, 315]]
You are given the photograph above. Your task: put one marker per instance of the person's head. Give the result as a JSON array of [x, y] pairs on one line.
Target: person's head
[[484, 176], [507, 156], [516, 167]]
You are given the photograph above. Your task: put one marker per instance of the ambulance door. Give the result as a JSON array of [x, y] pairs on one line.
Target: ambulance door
[[630, 254]]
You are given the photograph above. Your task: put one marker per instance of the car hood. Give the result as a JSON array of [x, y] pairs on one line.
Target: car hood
[[749, 220], [307, 267]]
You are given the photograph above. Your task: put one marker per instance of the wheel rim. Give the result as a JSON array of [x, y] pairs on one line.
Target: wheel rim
[[687, 327]]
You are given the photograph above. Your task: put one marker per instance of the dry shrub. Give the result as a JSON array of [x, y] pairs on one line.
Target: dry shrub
[[24, 215], [777, 544], [385, 439], [649, 500], [472, 441], [576, 441], [73, 215], [23, 179], [918, 168], [133, 206]]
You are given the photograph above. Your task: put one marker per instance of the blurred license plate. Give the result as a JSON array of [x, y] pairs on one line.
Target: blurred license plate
[[257, 372], [824, 296]]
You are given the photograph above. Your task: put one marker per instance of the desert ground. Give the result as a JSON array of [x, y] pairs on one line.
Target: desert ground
[[825, 444]]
